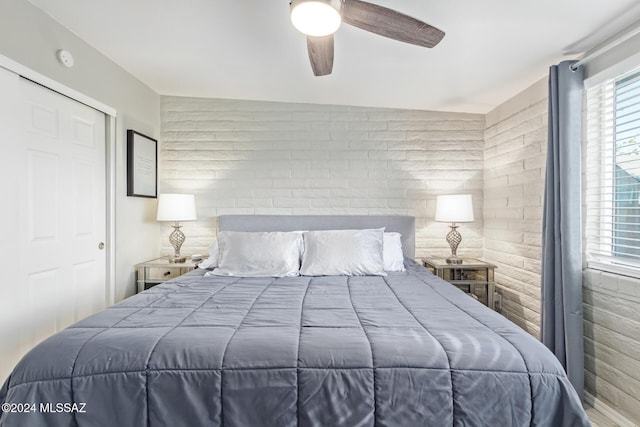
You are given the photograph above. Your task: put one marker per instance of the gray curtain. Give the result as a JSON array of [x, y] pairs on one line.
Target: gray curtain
[[561, 224]]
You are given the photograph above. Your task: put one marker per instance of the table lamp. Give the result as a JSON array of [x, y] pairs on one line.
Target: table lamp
[[454, 208], [176, 208]]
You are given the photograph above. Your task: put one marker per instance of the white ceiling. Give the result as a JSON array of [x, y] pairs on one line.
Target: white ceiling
[[248, 49]]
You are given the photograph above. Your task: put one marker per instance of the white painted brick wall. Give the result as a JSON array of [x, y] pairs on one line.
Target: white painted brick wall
[[612, 340], [248, 157], [514, 165]]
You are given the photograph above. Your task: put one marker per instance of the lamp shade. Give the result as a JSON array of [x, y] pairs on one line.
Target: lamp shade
[[176, 207], [317, 18], [454, 208]]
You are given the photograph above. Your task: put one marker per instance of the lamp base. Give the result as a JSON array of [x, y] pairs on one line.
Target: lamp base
[[454, 260], [177, 239], [454, 238]]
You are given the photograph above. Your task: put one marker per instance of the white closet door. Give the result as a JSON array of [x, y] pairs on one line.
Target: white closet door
[[54, 209]]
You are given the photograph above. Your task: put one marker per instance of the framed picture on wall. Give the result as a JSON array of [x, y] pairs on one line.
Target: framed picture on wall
[[142, 165]]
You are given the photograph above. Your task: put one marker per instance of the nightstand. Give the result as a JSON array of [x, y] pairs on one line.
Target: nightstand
[[156, 271], [469, 275]]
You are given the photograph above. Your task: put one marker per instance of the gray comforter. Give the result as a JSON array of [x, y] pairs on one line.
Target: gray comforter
[[403, 350]]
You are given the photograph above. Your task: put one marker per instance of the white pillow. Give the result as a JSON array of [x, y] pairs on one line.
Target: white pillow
[[343, 253], [392, 252], [212, 260], [261, 254]]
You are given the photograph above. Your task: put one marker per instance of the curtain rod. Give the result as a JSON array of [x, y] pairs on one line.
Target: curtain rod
[[606, 48]]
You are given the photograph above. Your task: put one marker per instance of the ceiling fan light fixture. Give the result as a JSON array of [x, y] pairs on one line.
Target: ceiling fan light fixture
[[316, 18]]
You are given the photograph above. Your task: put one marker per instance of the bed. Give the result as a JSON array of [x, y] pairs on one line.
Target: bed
[[406, 349]]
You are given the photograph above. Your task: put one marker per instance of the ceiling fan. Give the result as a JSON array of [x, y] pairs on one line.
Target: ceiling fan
[[319, 19]]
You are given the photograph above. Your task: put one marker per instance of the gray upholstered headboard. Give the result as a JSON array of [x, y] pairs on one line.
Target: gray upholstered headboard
[[405, 225]]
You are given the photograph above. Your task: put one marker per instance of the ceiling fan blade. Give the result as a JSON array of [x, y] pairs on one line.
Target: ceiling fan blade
[[321, 54], [389, 23]]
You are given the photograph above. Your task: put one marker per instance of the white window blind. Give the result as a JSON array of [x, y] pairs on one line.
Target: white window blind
[[612, 172]]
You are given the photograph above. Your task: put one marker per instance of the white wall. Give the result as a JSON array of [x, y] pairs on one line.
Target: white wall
[[278, 158], [30, 37], [612, 340], [514, 167]]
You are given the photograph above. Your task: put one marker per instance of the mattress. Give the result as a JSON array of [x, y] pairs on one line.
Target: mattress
[[403, 350]]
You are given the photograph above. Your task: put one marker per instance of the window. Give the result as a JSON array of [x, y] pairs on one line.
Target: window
[[612, 175]]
